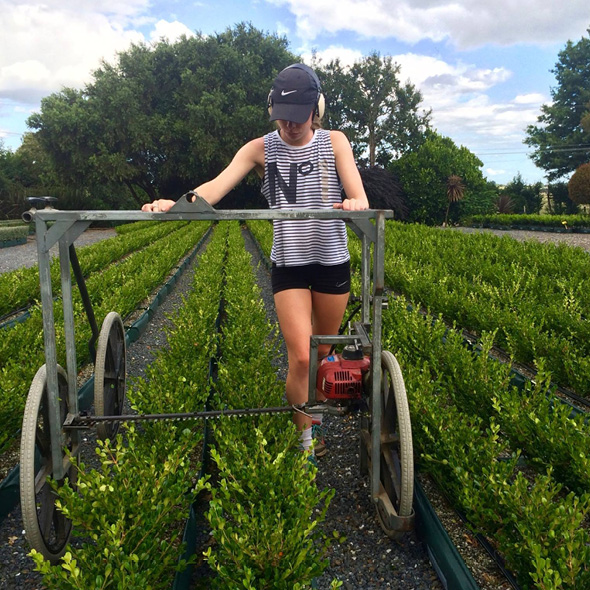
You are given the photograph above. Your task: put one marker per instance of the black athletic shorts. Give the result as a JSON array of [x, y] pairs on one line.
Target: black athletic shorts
[[317, 277]]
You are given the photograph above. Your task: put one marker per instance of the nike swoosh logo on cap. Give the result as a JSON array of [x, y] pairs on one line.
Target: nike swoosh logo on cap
[[283, 93]]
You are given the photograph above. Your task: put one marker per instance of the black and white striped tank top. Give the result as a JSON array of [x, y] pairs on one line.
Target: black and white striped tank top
[[304, 177]]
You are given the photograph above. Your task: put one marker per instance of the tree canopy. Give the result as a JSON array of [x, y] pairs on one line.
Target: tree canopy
[[5, 165], [381, 117], [424, 174], [164, 117], [561, 140], [526, 198]]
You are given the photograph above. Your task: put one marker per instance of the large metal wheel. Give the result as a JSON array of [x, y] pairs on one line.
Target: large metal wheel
[[396, 487], [110, 374], [46, 528]]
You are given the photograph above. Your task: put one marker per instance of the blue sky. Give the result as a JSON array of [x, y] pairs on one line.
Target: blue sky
[[482, 67]]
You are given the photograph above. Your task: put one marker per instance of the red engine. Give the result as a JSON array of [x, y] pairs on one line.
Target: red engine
[[340, 376]]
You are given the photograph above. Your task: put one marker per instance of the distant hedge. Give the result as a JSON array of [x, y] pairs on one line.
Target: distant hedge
[[12, 234], [513, 221]]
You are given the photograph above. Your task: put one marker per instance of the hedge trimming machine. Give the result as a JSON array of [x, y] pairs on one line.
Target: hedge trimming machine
[[349, 378]]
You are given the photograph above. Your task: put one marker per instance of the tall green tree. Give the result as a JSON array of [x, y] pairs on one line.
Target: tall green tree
[[561, 204], [5, 171], [11, 187], [561, 140], [382, 117], [585, 122], [65, 133], [424, 174], [526, 198], [163, 118]]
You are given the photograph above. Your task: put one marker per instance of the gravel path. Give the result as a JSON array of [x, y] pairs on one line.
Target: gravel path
[[26, 254], [573, 239], [365, 559]]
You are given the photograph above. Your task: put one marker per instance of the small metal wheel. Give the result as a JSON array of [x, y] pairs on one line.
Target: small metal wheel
[[109, 374], [46, 528], [394, 498]]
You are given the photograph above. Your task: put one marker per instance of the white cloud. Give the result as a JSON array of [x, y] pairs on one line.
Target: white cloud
[[437, 78], [533, 98], [44, 47], [462, 91], [460, 96], [171, 31], [47, 46], [466, 23], [124, 13], [346, 56], [282, 30]]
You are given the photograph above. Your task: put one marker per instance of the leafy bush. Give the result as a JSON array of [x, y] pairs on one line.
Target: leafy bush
[[13, 232], [579, 185], [131, 512], [424, 172], [120, 287], [467, 425], [532, 294], [264, 510]]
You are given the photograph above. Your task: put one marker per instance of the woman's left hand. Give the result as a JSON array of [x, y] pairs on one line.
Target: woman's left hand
[[158, 206], [352, 205]]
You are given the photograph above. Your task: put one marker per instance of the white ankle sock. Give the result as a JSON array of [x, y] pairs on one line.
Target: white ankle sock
[[306, 438]]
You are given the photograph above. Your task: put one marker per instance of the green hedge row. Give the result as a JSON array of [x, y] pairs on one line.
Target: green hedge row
[[121, 287], [263, 506], [130, 512], [266, 508], [20, 288], [13, 232], [471, 426], [533, 295]]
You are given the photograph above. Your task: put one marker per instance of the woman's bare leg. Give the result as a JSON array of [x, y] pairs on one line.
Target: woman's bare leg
[[327, 313], [295, 309], [294, 312]]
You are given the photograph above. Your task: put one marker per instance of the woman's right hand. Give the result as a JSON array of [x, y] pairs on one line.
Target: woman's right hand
[[158, 206]]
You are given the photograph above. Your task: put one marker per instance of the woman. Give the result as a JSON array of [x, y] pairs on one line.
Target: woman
[[302, 166]]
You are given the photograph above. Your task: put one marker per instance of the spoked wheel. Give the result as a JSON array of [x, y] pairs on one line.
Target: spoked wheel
[[396, 488], [46, 528], [109, 374]]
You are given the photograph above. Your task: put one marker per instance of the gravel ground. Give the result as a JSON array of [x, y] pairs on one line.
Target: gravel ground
[[364, 559], [573, 239], [26, 254]]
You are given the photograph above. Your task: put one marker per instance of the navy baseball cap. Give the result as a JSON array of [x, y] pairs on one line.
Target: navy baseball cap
[[294, 94]]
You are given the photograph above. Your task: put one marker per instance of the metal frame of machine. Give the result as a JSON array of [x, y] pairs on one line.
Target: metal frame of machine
[[51, 420]]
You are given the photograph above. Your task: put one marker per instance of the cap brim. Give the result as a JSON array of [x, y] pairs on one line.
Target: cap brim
[[297, 113]]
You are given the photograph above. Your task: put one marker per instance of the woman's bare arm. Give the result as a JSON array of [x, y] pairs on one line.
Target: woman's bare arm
[[356, 198], [249, 157]]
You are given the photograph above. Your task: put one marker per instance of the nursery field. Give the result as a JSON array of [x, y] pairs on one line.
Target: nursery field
[[510, 455]]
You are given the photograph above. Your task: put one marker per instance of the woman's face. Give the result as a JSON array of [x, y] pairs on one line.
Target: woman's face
[[296, 133]]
